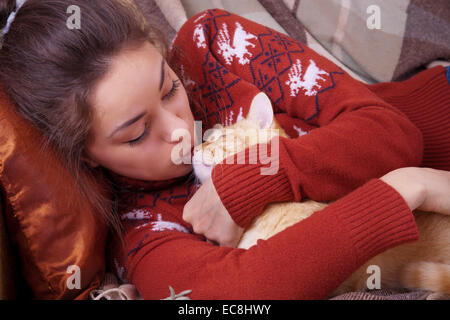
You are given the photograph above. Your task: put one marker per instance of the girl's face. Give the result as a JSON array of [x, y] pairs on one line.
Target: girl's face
[[137, 106]]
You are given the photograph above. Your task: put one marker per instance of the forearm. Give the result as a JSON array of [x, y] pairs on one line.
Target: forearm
[[358, 136], [357, 146], [319, 253], [323, 165]]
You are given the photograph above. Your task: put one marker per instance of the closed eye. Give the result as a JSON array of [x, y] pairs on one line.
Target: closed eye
[[141, 138], [175, 86]]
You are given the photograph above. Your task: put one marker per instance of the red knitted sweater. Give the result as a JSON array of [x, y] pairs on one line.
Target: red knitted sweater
[[346, 135]]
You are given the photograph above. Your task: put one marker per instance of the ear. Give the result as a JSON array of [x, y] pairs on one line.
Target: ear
[[261, 111]]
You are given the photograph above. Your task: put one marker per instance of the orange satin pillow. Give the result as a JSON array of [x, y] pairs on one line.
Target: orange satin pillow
[[49, 233]]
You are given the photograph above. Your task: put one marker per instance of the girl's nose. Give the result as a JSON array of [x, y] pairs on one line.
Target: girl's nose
[[170, 126]]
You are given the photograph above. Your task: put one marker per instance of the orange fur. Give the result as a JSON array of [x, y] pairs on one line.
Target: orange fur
[[420, 265]]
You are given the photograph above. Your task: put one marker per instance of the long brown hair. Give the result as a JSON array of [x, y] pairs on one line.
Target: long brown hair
[[49, 71]]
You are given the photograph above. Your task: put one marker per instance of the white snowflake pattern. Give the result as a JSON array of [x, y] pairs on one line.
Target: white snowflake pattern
[[136, 214], [199, 18], [199, 36], [300, 131], [229, 120], [238, 48], [179, 296], [161, 225], [309, 81], [240, 115], [120, 271], [188, 82]]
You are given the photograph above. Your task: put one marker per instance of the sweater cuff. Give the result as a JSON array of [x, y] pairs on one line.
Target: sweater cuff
[[376, 217], [246, 188]]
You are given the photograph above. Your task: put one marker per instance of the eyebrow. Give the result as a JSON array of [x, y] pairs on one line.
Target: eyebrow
[[138, 117]]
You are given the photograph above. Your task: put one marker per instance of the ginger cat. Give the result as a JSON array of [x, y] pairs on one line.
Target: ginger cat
[[424, 264]]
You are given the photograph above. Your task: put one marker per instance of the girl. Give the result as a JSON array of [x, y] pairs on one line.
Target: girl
[[108, 99]]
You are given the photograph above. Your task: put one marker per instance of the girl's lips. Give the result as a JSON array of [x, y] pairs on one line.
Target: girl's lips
[[189, 152]]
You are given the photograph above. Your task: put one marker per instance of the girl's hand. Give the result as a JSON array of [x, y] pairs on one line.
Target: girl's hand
[[425, 189], [208, 216]]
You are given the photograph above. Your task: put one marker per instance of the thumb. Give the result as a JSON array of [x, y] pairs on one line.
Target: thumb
[[187, 213]]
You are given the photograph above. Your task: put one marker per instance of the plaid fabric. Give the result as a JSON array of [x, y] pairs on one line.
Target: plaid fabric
[[390, 294], [413, 34]]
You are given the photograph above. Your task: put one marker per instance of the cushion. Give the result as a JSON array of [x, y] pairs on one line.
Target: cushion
[[7, 263], [52, 235]]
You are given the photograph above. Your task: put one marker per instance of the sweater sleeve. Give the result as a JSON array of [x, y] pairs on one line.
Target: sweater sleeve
[[319, 252], [352, 134]]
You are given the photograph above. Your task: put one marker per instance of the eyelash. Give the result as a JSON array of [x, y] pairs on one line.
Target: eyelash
[[168, 96], [173, 91], [132, 143]]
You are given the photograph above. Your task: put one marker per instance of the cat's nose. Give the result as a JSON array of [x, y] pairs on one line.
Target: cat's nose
[[199, 159]]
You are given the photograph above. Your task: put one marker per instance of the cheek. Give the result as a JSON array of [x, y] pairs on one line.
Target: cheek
[[184, 112], [190, 120], [148, 161], [159, 158], [184, 105]]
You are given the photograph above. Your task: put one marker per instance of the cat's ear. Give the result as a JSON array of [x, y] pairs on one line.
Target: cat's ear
[[261, 111]]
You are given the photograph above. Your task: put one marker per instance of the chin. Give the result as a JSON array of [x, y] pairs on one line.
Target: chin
[[181, 170]]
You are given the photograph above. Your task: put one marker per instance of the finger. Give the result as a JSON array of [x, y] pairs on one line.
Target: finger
[[226, 239], [216, 229], [212, 242], [202, 224], [187, 213], [228, 243], [438, 192]]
